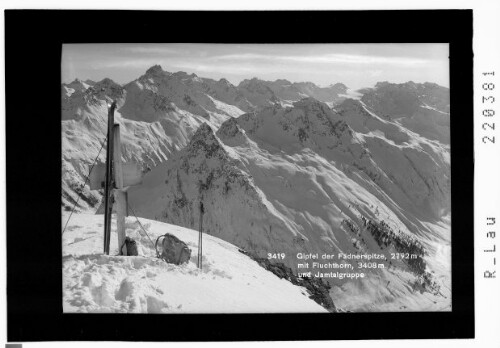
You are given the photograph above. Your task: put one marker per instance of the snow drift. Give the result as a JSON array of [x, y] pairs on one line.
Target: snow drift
[[230, 282]]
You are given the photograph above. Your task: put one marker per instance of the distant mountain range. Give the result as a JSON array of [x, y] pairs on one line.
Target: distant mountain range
[[285, 168]]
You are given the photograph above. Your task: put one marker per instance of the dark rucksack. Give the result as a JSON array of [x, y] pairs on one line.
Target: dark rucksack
[[131, 246], [172, 249]]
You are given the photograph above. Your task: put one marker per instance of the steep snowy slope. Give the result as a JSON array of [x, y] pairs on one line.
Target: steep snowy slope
[[229, 282], [301, 180], [155, 92], [419, 167], [279, 171], [75, 86], [422, 108], [258, 93], [158, 113], [146, 143], [223, 91], [237, 210], [409, 169]]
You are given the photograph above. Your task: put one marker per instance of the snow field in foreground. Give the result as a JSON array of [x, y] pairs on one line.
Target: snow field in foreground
[[230, 282]]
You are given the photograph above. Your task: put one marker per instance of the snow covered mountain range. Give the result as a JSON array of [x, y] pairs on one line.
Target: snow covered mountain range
[[287, 168]]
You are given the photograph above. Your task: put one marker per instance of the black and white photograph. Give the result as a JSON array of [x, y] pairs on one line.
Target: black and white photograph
[[255, 178], [276, 175]]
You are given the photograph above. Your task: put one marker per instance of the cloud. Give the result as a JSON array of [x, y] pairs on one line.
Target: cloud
[[326, 59], [155, 50], [237, 69], [354, 65], [172, 57], [125, 63]]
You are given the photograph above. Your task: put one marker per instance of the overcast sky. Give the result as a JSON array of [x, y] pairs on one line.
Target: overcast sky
[[355, 65]]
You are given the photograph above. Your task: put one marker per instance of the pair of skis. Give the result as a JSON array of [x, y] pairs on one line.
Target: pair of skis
[[108, 184]]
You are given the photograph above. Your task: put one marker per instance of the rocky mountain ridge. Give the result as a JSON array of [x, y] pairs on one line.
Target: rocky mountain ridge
[[280, 170]]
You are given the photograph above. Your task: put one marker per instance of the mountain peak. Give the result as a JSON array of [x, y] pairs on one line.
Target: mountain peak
[[107, 82], [182, 74], [107, 88], [310, 103], [229, 129], [306, 83], [225, 82], [338, 86], [76, 83], [404, 85], [252, 81], [283, 82], [204, 141], [155, 70], [382, 84]]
